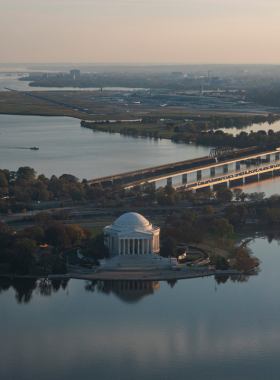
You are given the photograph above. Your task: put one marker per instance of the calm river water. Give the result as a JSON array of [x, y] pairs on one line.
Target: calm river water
[[66, 147], [197, 329]]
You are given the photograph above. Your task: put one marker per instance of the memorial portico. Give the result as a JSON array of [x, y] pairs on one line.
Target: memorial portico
[[132, 234]]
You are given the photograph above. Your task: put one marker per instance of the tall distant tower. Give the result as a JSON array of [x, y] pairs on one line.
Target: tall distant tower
[[75, 74], [200, 90]]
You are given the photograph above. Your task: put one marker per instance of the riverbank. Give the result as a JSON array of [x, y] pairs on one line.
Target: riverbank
[[122, 275]]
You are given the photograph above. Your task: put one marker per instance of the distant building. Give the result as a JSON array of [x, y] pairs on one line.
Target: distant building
[[75, 74], [177, 73]]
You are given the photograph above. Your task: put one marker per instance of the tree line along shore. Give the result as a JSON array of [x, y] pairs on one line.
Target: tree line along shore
[[26, 250], [202, 130]]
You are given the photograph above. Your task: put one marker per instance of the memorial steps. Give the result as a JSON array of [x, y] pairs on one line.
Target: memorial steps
[[142, 261]]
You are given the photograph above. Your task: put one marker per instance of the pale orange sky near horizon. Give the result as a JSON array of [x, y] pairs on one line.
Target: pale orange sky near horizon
[[187, 31]]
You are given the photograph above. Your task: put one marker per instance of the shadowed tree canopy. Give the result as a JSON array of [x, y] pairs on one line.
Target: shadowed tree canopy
[[224, 194], [27, 173]]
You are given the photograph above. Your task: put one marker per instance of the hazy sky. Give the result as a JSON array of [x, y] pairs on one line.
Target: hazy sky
[[185, 31]]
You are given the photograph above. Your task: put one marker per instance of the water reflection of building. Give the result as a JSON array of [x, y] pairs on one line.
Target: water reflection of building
[[133, 291]]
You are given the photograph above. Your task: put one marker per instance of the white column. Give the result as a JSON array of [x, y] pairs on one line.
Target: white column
[[142, 246], [133, 246], [146, 250], [119, 251], [152, 245]]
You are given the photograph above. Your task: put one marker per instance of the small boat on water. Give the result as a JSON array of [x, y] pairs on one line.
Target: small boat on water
[[34, 148]]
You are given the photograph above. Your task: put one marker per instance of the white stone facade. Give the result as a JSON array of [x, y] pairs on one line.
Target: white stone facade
[[132, 234]]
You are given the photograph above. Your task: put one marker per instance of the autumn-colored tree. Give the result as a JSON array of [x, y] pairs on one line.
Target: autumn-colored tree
[[244, 259], [75, 233]]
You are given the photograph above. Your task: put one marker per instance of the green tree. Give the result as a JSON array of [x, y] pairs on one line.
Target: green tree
[[23, 250], [237, 193], [222, 263], [88, 234], [242, 212], [43, 195], [197, 233], [169, 247], [169, 190], [243, 196], [3, 180], [43, 219], [224, 195], [207, 210], [266, 214], [97, 248], [57, 235], [165, 200], [223, 227], [208, 194], [35, 233], [59, 267], [232, 212], [27, 173]]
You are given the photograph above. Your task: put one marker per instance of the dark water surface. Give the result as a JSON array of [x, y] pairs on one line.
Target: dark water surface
[[66, 147], [197, 329]]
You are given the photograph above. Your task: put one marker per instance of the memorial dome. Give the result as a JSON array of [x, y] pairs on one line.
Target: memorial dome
[[132, 220], [132, 234]]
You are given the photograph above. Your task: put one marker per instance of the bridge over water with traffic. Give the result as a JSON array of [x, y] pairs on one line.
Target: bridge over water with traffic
[[217, 159]]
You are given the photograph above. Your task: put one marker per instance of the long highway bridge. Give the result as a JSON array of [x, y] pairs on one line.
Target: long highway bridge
[[221, 157]]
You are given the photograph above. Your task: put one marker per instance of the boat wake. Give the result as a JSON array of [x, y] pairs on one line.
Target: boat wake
[[13, 147]]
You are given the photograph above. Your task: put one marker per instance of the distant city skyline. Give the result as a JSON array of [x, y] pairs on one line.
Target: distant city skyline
[[140, 31]]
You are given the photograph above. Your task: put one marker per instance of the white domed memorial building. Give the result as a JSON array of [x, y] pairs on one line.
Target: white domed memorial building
[[132, 234]]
